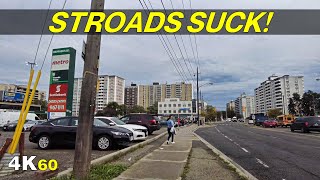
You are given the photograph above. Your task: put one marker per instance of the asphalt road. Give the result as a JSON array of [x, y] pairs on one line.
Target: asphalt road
[[268, 153]]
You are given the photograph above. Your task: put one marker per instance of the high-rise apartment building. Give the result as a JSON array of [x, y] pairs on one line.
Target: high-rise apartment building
[[231, 105], [131, 96], [150, 94], [110, 89], [274, 93], [245, 105]]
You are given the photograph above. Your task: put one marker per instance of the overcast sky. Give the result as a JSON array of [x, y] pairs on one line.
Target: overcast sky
[[235, 64]]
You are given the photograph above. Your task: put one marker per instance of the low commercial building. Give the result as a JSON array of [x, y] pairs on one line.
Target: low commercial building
[[173, 106]]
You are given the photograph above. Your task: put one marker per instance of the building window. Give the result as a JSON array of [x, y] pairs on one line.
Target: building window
[[189, 105], [169, 111], [174, 111], [174, 105], [160, 111], [165, 105], [160, 105], [169, 105], [164, 111], [179, 105]]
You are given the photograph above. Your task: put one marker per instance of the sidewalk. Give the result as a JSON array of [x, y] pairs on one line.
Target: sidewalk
[[167, 162]]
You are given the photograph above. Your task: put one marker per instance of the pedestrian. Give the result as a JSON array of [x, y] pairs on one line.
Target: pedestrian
[[171, 130]]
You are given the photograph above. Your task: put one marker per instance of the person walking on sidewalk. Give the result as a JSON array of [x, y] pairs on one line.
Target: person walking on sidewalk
[[171, 130]]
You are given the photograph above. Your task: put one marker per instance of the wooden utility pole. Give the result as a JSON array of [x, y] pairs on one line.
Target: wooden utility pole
[[82, 156]]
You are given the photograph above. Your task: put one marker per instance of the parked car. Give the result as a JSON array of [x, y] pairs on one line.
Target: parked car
[[269, 123], [250, 121], [139, 132], [234, 119], [146, 120], [62, 131], [229, 120], [12, 125], [306, 124], [28, 125]]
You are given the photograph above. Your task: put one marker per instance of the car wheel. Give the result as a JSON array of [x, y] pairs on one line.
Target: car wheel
[[303, 129], [44, 142], [292, 130], [104, 143]]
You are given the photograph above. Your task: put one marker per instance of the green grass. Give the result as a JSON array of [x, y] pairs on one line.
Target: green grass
[[102, 172]]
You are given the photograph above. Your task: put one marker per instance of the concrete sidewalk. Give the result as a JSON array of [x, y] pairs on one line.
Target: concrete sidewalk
[[167, 162]]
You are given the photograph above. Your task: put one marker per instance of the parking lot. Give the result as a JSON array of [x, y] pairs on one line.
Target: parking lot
[[63, 155]]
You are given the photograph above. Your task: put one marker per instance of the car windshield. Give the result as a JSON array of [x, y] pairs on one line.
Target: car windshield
[[118, 121], [99, 123]]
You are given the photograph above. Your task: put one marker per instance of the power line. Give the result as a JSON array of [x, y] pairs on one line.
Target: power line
[[44, 24], [165, 45], [192, 78], [45, 57]]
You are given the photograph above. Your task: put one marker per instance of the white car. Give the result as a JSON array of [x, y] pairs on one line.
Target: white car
[[139, 132], [28, 125]]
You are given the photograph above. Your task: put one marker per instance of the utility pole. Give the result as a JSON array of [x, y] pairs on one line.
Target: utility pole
[[198, 116], [83, 148]]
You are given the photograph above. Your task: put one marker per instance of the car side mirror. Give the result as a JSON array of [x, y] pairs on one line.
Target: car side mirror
[[112, 124]]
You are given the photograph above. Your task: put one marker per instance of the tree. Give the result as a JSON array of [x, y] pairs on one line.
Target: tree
[[273, 113], [291, 107], [297, 103], [308, 103], [153, 109], [210, 113], [230, 113], [137, 109]]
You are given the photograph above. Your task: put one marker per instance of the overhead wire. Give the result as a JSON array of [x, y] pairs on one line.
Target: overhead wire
[[166, 47], [50, 42], [192, 77], [44, 24]]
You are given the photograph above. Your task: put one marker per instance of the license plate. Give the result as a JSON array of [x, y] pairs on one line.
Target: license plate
[[316, 124]]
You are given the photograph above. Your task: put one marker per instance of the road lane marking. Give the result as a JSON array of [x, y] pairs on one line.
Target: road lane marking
[[244, 149], [228, 138], [262, 163]]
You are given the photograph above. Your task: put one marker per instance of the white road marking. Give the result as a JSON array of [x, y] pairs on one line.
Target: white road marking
[[245, 150], [228, 138], [262, 163]]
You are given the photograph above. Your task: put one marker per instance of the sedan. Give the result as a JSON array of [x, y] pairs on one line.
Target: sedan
[[139, 132], [306, 124], [11, 126], [269, 123], [62, 131]]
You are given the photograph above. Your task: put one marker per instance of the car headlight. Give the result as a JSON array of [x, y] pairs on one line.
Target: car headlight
[[11, 125], [119, 133]]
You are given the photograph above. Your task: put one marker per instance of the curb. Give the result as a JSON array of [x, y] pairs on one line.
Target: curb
[[112, 156], [240, 170]]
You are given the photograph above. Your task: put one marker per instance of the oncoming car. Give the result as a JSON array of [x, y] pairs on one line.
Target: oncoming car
[[62, 131], [139, 132]]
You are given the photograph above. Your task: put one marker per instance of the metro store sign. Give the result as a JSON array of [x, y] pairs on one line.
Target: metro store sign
[[61, 82]]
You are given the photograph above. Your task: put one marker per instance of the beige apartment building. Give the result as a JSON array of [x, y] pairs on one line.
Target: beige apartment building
[[150, 94]]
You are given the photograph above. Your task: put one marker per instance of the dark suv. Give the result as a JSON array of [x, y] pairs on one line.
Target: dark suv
[[306, 124], [146, 120]]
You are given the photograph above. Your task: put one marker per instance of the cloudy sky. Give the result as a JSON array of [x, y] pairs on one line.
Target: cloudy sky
[[235, 64]]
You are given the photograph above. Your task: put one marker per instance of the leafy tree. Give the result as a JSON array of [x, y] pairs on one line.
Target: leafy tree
[[291, 107], [210, 113], [153, 109], [297, 103], [137, 109], [308, 103], [230, 113], [273, 113]]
